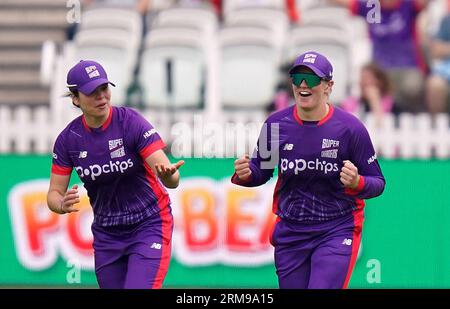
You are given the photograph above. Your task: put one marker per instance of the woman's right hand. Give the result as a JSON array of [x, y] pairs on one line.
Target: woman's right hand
[[69, 200], [242, 167]]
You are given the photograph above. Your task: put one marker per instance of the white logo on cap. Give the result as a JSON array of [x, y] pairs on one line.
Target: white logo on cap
[[92, 71], [310, 58]]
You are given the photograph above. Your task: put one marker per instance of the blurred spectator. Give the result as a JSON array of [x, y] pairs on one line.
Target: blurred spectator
[[396, 47], [376, 94], [439, 80]]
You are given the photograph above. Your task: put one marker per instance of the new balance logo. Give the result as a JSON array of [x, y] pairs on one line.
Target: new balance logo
[[347, 242], [83, 154], [155, 245], [288, 147]]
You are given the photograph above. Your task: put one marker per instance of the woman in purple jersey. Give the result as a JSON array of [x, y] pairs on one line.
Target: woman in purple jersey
[[118, 156], [326, 168]]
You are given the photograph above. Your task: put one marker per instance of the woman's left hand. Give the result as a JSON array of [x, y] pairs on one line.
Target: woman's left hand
[[164, 171], [349, 175]]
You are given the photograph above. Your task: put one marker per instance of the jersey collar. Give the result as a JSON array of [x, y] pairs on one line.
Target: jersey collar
[[104, 126], [321, 122]]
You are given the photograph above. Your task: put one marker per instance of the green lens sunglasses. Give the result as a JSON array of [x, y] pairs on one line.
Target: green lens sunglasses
[[312, 80]]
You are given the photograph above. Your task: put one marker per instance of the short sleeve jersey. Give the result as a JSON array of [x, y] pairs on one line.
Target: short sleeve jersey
[[110, 161]]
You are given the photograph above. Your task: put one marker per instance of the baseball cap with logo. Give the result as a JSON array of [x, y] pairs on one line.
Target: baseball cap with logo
[[316, 62], [86, 76]]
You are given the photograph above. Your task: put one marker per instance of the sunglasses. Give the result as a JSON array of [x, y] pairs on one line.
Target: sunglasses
[[312, 80]]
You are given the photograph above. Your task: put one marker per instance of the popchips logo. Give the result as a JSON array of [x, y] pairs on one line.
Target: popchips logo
[[96, 170], [299, 165]]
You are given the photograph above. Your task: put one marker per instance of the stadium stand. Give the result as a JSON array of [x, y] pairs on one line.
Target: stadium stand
[[248, 67], [172, 68], [107, 46], [24, 26], [222, 71]]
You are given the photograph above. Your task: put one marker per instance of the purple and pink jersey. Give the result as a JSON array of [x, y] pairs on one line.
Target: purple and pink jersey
[[395, 42], [309, 157], [318, 230], [110, 161]]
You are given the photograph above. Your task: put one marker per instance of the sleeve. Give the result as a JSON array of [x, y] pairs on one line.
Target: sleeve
[[144, 135], [264, 158], [363, 155], [61, 162]]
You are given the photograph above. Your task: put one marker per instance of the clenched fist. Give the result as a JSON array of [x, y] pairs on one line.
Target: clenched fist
[[242, 167], [349, 175]]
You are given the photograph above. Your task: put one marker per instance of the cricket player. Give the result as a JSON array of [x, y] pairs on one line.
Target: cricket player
[[327, 166], [118, 156]]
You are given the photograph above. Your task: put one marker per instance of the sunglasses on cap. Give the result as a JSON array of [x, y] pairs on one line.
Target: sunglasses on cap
[[312, 80]]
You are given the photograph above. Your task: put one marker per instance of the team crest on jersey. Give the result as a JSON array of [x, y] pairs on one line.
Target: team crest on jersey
[[118, 149], [329, 153], [113, 144]]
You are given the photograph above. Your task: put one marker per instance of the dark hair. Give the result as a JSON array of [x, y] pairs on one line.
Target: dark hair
[[381, 76], [73, 93]]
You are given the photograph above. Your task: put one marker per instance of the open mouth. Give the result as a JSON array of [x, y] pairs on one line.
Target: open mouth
[[305, 94]]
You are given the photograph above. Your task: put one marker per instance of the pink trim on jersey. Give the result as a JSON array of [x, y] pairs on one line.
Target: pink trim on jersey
[[148, 150], [358, 219], [296, 116], [321, 122], [61, 170], [163, 201], [161, 194], [328, 116], [236, 180], [108, 120], [278, 219], [85, 125], [276, 195], [104, 126], [166, 250], [357, 189]]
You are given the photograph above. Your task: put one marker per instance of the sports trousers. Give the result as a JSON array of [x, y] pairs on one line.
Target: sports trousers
[[317, 255], [134, 256]]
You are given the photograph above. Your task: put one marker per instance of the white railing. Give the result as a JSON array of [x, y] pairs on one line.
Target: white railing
[[25, 130]]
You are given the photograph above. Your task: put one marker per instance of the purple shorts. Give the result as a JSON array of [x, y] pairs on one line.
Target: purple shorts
[[134, 256], [317, 255]]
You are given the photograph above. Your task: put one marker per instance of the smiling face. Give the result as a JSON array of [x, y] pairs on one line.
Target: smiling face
[[97, 104], [311, 98]]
